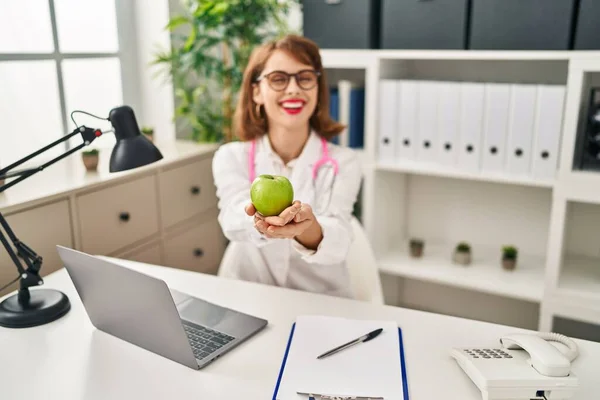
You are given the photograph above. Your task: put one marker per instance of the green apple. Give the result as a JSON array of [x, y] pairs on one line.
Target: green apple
[[271, 194]]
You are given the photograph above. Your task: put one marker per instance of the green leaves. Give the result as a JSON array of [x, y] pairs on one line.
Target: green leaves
[[211, 43]]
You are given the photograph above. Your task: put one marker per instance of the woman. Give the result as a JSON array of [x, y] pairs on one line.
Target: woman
[[283, 124]]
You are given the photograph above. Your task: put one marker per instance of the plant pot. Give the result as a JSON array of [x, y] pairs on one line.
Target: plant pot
[[90, 162], [149, 137], [461, 257], [416, 249], [509, 264]]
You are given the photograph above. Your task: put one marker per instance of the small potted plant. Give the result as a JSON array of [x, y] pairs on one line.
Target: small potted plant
[[462, 254], [148, 132], [509, 257], [90, 159], [416, 247]]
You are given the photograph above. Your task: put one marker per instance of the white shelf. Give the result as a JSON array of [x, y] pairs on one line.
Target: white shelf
[[349, 59], [453, 172], [357, 56], [484, 54], [580, 280], [484, 274], [580, 186]]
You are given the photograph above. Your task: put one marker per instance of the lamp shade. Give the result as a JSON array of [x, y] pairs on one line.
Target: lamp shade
[[132, 149]]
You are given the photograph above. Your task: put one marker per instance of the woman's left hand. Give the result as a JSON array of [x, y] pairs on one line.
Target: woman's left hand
[[283, 227]]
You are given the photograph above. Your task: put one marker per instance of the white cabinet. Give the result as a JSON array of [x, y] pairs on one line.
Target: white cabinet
[[163, 213], [531, 194]]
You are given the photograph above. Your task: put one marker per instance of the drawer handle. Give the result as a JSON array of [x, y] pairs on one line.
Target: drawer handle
[[195, 190], [124, 216], [198, 252]]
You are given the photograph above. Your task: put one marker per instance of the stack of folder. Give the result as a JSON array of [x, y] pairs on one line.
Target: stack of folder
[[492, 128]]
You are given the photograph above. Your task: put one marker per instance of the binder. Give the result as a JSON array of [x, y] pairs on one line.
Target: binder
[[497, 102], [349, 358], [520, 131], [407, 134], [356, 126], [447, 123], [472, 100], [344, 89], [334, 109], [428, 103], [388, 100], [548, 128]]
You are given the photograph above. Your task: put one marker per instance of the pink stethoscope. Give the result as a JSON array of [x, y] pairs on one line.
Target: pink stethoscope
[[322, 161]]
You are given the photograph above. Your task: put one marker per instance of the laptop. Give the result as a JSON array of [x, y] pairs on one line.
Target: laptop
[[143, 311]]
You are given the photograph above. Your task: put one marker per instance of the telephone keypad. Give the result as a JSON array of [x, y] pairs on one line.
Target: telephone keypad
[[487, 353]]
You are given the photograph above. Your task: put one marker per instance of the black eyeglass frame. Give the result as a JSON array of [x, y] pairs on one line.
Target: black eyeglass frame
[[289, 76]]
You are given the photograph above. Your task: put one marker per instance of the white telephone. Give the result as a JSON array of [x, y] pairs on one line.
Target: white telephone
[[526, 367]]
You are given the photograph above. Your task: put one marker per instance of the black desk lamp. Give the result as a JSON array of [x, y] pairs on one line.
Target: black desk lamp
[[38, 307]]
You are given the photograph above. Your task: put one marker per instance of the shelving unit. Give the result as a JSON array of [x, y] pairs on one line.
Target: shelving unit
[[553, 220], [412, 167]]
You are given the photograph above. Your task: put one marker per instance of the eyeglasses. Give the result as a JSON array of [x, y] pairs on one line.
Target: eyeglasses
[[279, 80]]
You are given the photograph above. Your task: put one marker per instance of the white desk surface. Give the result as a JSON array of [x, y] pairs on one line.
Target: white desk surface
[[70, 359]]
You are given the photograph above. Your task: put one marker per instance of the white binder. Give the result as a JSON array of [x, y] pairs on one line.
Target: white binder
[[428, 100], [472, 98], [495, 128], [548, 128], [406, 140], [388, 106], [448, 123], [520, 130]]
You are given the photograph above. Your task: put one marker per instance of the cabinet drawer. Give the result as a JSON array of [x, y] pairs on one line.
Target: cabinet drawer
[[199, 248], [186, 191], [118, 216], [149, 254], [41, 229]]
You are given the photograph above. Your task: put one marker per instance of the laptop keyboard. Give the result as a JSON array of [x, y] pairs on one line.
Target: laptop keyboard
[[205, 341]]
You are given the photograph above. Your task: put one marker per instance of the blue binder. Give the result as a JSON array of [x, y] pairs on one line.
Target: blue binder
[[402, 363], [334, 108]]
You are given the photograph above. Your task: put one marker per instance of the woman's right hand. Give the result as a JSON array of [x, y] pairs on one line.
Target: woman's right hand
[[284, 218]]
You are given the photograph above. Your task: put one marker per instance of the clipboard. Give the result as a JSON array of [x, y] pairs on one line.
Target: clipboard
[[402, 379]]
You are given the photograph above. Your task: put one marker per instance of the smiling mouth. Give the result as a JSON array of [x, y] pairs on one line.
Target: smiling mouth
[[292, 106]]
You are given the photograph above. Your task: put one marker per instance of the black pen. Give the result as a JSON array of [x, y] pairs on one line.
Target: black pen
[[362, 339]]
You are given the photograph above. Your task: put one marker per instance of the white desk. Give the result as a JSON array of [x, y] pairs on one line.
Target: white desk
[[69, 359]]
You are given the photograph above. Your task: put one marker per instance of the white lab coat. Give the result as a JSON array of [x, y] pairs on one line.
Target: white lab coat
[[285, 262]]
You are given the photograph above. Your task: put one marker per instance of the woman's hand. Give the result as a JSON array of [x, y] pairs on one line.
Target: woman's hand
[[292, 222]]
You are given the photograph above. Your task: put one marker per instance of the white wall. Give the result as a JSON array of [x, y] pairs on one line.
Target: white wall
[[295, 18], [156, 95]]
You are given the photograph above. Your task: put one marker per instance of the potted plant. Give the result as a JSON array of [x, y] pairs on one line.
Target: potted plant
[[462, 254], [148, 132], [90, 159], [211, 43], [416, 247], [509, 257]]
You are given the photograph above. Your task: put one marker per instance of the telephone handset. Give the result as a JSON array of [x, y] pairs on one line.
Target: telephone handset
[[526, 366]]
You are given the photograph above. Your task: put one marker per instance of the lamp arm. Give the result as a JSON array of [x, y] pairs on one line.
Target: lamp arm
[[29, 276], [88, 135]]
